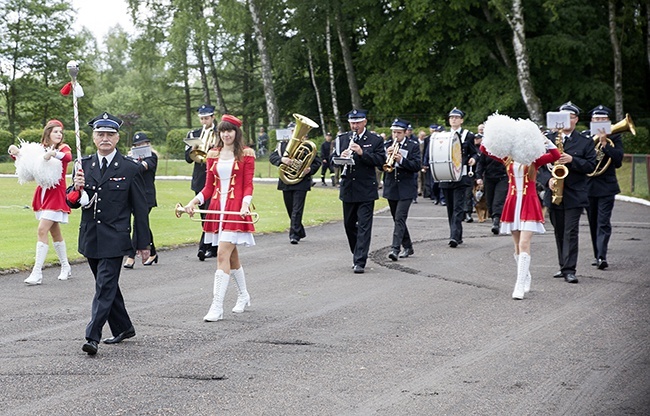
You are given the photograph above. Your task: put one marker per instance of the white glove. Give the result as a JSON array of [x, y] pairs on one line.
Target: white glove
[[49, 153]]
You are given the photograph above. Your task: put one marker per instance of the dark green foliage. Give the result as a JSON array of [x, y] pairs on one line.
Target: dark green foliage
[[175, 144]]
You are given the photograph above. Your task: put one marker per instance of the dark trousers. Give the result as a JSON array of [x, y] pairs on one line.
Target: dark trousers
[[599, 213], [134, 240], [202, 245], [400, 211], [108, 303], [455, 198], [294, 202], [566, 224], [496, 191], [357, 220]]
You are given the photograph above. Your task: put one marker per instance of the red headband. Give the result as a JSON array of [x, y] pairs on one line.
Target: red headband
[[55, 121], [231, 119]]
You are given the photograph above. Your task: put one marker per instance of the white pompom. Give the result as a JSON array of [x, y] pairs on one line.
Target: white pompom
[[529, 144], [47, 173], [499, 135], [30, 166]]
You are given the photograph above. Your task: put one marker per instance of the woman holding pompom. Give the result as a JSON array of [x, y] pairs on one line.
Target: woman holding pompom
[[522, 212], [49, 202]]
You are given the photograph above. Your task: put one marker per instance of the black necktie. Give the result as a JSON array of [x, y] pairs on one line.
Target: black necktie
[[104, 165]]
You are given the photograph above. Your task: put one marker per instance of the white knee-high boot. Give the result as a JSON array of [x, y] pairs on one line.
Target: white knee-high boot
[[243, 299], [36, 277], [221, 280], [66, 270], [522, 270], [528, 276]]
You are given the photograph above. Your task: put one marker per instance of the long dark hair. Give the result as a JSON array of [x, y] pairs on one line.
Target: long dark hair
[[238, 145], [45, 139]]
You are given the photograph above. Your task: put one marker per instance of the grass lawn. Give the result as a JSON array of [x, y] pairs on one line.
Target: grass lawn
[[18, 241]]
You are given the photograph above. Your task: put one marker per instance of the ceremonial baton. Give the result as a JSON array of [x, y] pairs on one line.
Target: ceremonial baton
[[73, 70]]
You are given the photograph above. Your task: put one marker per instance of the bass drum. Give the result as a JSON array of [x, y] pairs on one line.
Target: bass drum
[[445, 157]]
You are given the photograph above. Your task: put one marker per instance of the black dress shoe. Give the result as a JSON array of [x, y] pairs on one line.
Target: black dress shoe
[[129, 333], [129, 263], [209, 254], [406, 252], [571, 278], [595, 262], [151, 260], [201, 255], [90, 347], [602, 264], [393, 255], [453, 243], [294, 241], [358, 269], [559, 274]]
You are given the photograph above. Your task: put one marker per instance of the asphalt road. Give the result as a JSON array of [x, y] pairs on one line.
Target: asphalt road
[[434, 334]]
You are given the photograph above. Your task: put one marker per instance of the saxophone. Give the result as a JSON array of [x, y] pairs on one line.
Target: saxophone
[[559, 172]]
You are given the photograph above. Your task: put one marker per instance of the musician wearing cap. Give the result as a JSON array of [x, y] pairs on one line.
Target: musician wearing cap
[[578, 156], [402, 164], [455, 192], [364, 152], [115, 191], [602, 186], [147, 158], [294, 195], [199, 142]]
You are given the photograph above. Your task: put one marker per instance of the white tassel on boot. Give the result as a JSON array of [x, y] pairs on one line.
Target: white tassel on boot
[[522, 270], [243, 299], [221, 280], [36, 277], [66, 270], [528, 276]]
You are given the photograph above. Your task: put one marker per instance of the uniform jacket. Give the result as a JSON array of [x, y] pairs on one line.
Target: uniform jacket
[[402, 183], [241, 185], [326, 149], [198, 174], [105, 229], [488, 168], [149, 175], [305, 184], [54, 198], [606, 184], [531, 209], [581, 148], [469, 151], [360, 182]]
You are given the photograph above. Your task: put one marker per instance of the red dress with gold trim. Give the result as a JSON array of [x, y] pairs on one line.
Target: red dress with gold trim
[[53, 199]]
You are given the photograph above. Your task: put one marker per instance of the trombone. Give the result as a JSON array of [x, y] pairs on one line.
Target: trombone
[[180, 210]]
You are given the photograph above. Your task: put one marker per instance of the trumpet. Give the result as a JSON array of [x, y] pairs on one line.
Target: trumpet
[[389, 166], [625, 125], [180, 210]]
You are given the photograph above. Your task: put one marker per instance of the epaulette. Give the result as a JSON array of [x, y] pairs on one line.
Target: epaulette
[[248, 152], [87, 157], [130, 159]]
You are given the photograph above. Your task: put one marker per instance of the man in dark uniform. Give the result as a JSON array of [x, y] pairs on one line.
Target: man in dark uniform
[[603, 187], [493, 176], [400, 185], [294, 195], [579, 157], [435, 193], [110, 188], [454, 192], [325, 152], [359, 188], [206, 138]]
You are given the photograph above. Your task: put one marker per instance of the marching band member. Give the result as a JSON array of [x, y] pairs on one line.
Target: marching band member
[[522, 212], [49, 201], [228, 187], [602, 189], [359, 189], [115, 190], [206, 116], [400, 185], [579, 157], [454, 192], [294, 196]]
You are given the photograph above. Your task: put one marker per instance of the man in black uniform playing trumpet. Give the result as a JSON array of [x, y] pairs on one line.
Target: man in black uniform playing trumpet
[[400, 185], [364, 151]]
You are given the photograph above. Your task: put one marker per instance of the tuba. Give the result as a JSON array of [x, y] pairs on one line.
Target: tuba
[[622, 126], [201, 146], [301, 152], [559, 172], [389, 166]]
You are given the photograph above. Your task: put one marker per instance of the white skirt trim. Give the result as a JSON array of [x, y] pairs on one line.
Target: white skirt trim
[[237, 238], [56, 216], [534, 226]]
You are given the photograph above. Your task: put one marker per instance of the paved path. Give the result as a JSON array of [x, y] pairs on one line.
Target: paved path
[[435, 334]]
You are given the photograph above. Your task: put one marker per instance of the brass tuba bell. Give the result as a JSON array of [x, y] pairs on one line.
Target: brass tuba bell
[[625, 125], [201, 145], [301, 152]]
